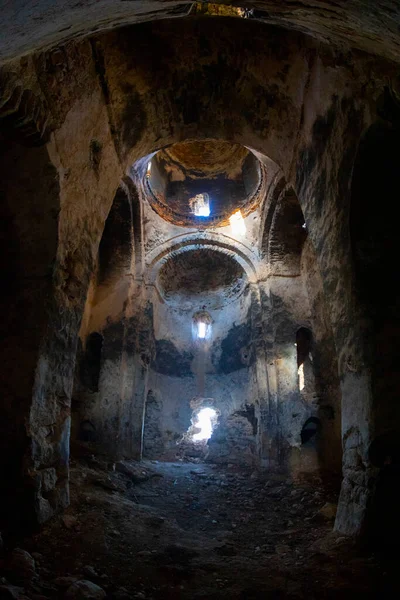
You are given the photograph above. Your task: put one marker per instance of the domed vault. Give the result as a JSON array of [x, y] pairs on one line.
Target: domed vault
[[202, 183], [201, 277]]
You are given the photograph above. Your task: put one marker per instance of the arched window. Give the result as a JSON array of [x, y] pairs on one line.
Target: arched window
[[310, 431], [202, 326]]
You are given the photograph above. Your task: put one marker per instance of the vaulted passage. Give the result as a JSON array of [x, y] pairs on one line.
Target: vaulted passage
[[200, 334]]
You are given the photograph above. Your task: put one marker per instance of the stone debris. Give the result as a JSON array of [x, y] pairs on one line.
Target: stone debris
[[134, 472], [85, 590], [69, 521], [328, 511], [21, 566]]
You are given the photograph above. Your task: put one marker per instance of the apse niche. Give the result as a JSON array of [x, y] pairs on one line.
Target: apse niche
[[203, 183]]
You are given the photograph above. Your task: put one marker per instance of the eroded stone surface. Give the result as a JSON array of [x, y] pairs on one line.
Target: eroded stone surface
[[84, 251]]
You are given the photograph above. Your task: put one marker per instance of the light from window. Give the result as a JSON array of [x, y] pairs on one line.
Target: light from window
[[148, 172], [201, 330], [300, 373], [200, 205], [237, 223], [204, 424]]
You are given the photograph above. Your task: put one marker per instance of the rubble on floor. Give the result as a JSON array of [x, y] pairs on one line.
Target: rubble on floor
[[157, 530]]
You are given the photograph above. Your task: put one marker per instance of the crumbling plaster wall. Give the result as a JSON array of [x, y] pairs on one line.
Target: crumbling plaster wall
[[324, 363], [108, 412], [181, 371]]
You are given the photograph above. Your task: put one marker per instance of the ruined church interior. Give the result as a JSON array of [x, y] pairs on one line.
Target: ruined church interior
[[200, 338]]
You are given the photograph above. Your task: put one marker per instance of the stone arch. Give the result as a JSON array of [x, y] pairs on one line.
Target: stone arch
[[286, 235], [310, 431], [137, 223], [269, 211], [120, 248], [115, 249], [185, 243], [312, 19]]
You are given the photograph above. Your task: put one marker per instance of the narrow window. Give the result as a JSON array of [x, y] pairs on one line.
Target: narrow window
[[303, 345], [201, 326], [201, 331]]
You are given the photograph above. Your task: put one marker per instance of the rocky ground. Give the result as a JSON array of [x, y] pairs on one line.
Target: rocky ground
[[187, 530]]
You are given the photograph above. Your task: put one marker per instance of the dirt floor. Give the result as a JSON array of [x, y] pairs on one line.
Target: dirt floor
[[159, 530]]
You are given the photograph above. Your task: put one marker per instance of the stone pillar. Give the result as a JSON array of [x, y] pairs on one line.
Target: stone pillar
[[263, 405], [38, 340]]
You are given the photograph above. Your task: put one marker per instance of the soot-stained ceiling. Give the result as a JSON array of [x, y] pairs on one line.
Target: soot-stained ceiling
[[201, 277]]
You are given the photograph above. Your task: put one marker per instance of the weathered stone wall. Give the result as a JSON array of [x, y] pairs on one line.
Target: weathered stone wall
[[108, 413], [324, 366], [222, 372], [29, 193], [63, 202], [291, 98]]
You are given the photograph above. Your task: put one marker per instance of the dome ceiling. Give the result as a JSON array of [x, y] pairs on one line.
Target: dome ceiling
[[202, 183], [201, 278]]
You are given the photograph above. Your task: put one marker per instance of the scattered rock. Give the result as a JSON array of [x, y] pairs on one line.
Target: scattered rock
[[65, 582], [85, 590], [144, 553], [155, 521], [12, 592], [135, 473], [21, 566], [328, 511], [69, 521], [90, 572], [226, 550], [179, 554], [37, 556], [122, 594], [106, 484], [341, 540], [282, 548]]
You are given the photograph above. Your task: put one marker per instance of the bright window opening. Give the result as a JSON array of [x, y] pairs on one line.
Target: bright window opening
[[201, 330], [300, 372], [204, 423], [237, 223], [200, 205]]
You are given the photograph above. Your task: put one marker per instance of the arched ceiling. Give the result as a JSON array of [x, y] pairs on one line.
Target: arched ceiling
[[201, 278], [220, 176], [370, 25]]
